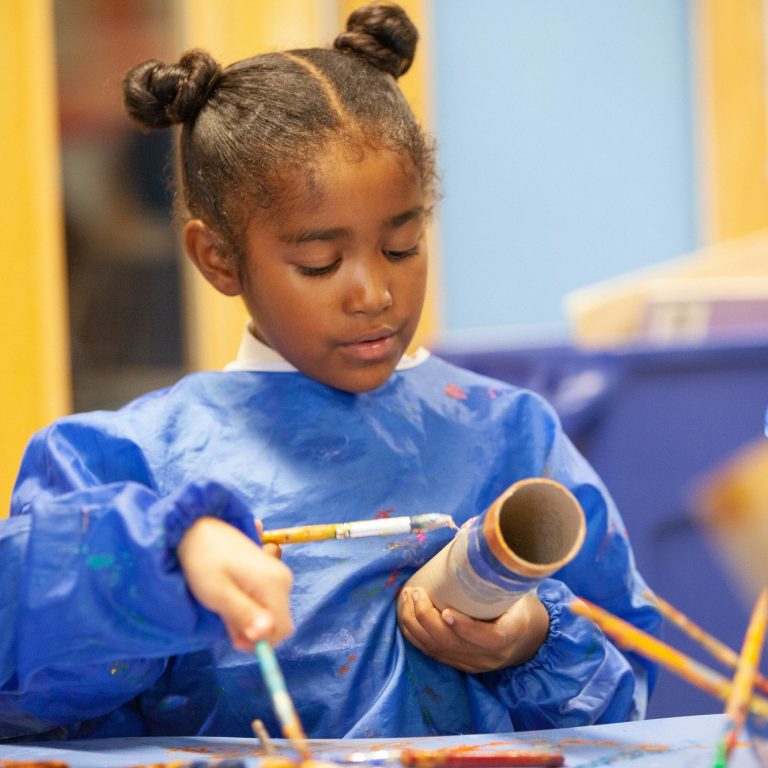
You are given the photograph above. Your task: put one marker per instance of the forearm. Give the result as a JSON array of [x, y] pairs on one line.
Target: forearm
[[46, 696], [94, 601]]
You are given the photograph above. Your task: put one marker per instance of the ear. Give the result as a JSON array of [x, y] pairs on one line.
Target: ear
[[203, 246]]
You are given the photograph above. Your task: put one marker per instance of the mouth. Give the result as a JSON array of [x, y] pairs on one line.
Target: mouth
[[371, 347]]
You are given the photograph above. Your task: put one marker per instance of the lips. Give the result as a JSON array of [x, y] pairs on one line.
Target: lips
[[372, 346], [371, 336]]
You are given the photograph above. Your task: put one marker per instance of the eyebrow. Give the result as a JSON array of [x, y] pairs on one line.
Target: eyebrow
[[338, 233], [311, 235], [405, 217]]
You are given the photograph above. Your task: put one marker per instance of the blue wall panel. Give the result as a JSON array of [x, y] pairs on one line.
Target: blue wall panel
[[567, 150]]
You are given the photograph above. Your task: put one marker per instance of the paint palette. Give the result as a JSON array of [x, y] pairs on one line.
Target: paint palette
[[757, 730]]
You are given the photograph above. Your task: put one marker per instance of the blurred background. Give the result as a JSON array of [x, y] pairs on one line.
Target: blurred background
[[601, 240]]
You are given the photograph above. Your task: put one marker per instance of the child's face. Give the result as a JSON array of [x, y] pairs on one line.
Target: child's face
[[335, 282]]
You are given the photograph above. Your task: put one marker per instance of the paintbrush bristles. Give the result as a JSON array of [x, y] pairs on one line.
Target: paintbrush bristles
[[431, 521]]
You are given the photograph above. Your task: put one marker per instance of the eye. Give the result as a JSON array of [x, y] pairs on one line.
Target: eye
[[328, 269], [400, 255]]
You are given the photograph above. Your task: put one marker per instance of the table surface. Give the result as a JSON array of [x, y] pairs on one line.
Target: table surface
[[684, 742]]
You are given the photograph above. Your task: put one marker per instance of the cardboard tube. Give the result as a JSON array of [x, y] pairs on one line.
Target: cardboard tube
[[532, 530]]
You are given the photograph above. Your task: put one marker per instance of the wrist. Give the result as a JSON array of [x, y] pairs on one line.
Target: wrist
[[194, 502], [537, 620]]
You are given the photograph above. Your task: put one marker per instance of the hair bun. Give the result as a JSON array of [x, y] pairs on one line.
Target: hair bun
[[158, 95], [383, 35]]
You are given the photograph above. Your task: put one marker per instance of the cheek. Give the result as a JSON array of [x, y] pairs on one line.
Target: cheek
[[415, 282], [280, 294], [302, 312]]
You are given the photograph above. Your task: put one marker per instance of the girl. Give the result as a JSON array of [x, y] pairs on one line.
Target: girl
[[132, 586]]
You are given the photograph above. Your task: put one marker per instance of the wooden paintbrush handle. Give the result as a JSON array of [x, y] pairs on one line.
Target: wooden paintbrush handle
[[466, 758], [300, 534]]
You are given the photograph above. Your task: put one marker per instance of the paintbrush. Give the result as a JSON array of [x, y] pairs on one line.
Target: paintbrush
[[634, 639], [446, 758], [260, 732], [281, 700], [743, 680], [717, 648], [385, 526], [459, 757]]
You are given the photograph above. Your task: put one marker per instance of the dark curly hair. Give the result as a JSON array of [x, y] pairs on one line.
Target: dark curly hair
[[244, 127]]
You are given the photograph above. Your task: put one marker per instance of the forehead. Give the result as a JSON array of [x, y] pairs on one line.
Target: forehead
[[349, 183]]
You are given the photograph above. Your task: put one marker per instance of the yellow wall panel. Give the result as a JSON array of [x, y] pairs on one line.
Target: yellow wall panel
[[34, 380], [732, 69]]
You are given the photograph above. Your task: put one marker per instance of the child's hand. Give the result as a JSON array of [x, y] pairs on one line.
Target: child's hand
[[232, 576], [468, 644]]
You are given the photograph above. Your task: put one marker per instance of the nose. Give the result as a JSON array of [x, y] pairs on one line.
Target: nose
[[368, 290]]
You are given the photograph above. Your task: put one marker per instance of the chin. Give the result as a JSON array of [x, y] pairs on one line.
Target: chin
[[364, 380]]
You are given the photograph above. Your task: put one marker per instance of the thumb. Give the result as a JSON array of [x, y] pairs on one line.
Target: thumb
[[471, 630], [273, 550]]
